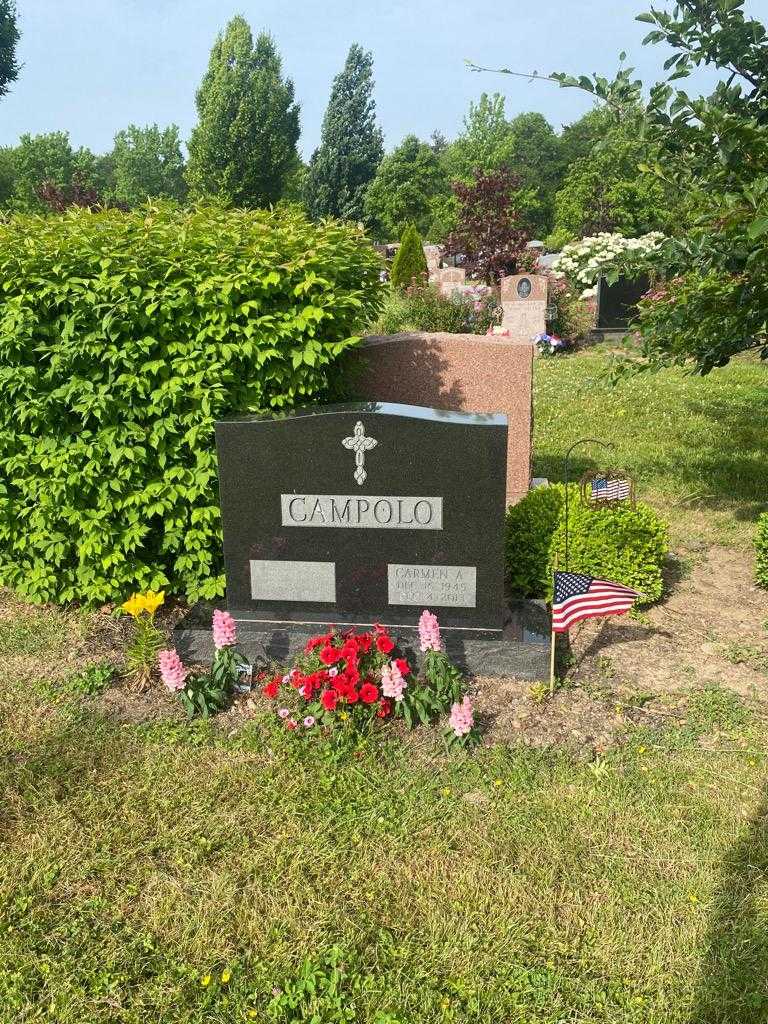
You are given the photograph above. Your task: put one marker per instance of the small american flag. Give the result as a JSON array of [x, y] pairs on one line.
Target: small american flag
[[610, 490], [580, 597]]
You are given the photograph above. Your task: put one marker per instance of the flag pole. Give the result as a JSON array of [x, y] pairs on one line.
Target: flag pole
[[552, 650], [583, 440]]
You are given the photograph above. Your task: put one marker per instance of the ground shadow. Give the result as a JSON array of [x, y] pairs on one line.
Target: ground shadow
[[732, 985]]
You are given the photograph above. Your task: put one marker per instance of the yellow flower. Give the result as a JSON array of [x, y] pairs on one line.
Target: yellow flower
[[252, 1015], [152, 601], [134, 605], [226, 974], [446, 792], [344, 716], [497, 782], [205, 981]]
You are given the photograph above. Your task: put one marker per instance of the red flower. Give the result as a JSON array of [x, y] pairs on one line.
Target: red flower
[[317, 641], [385, 708], [307, 688], [329, 700], [352, 674], [329, 655], [364, 642], [369, 693], [403, 665], [352, 695], [341, 684], [384, 643], [349, 650], [290, 724], [271, 689]]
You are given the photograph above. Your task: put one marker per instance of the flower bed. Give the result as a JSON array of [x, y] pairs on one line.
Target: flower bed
[[341, 686]]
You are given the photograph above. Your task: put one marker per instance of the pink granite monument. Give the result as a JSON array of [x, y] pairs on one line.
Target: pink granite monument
[[458, 372]]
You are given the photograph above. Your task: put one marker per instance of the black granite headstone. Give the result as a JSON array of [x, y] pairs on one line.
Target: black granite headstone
[[364, 513], [617, 303]]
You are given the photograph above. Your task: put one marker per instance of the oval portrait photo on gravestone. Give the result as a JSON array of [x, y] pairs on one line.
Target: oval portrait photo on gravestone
[[524, 288]]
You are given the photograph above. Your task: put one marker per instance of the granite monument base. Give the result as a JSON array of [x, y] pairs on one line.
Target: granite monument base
[[519, 651]]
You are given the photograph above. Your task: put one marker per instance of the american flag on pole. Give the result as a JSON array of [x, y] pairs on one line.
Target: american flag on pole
[[580, 597], [610, 490]]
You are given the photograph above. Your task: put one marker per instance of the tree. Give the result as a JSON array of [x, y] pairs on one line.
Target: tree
[[486, 142], [406, 183], [42, 161], [409, 267], [7, 173], [606, 191], [490, 236], [244, 145], [147, 164], [535, 158], [351, 145], [9, 38]]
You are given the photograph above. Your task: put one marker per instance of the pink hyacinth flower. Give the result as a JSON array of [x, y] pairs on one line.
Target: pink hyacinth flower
[[462, 718], [224, 630], [172, 671], [392, 682], [429, 632]]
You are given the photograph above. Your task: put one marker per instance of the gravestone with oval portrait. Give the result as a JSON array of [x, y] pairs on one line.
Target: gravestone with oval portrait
[[524, 302], [364, 513]]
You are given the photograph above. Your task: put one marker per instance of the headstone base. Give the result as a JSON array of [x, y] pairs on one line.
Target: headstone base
[[518, 651]]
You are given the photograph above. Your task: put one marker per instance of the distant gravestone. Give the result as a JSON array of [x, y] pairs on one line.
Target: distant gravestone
[[524, 303], [364, 513], [617, 303]]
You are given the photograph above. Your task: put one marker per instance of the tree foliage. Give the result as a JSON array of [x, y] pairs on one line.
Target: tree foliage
[[489, 236], [47, 163], [243, 147], [404, 190], [409, 267], [351, 144], [9, 38], [484, 145], [123, 337], [713, 150], [146, 163]]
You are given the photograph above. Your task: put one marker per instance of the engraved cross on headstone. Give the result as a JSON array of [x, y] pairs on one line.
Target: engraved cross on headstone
[[359, 444]]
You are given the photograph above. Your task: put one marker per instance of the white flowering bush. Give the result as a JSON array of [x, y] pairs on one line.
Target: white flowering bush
[[605, 255]]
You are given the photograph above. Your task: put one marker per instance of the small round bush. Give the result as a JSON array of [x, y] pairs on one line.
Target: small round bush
[[761, 548], [620, 543]]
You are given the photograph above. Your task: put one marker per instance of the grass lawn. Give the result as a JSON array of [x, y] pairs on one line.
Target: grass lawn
[[140, 865]]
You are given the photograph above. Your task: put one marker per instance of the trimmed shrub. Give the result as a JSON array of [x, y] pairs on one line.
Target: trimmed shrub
[[123, 337], [409, 266], [761, 548], [624, 544], [426, 309]]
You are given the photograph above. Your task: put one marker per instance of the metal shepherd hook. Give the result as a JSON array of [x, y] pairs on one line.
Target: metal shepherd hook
[[584, 440]]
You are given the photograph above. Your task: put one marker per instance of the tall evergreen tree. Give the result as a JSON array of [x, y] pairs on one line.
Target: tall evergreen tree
[[351, 145], [9, 37], [244, 145]]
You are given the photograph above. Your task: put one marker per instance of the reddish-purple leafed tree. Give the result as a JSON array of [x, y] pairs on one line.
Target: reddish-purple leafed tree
[[57, 198], [489, 235]]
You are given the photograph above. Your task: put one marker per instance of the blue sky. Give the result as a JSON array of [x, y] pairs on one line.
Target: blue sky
[[93, 67]]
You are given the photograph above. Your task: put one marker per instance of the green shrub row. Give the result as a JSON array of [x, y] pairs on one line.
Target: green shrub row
[[761, 548], [624, 544], [123, 337]]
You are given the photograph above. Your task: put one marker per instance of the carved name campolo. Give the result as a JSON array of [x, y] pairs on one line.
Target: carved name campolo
[[364, 513]]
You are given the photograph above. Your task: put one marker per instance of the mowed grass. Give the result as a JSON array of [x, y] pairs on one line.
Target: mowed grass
[[697, 446], [176, 873], [139, 864]]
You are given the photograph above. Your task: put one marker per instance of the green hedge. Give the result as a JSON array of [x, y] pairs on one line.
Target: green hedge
[[624, 544], [123, 337], [409, 267], [761, 547]]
